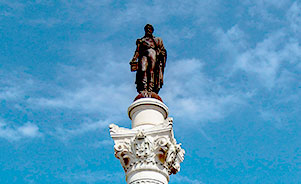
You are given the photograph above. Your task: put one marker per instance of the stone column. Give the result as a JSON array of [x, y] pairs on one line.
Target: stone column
[[148, 152]]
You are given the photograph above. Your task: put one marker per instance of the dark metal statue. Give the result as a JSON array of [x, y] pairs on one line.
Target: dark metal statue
[[151, 56]]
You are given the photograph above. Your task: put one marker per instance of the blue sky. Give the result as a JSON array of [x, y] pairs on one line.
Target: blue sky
[[232, 85]]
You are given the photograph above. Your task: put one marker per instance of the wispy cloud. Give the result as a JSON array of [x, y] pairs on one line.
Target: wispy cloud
[[185, 179], [14, 133], [93, 177], [294, 17], [193, 95], [90, 98], [130, 12], [279, 119], [10, 8], [261, 62], [138, 12], [13, 85], [262, 12], [66, 133], [102, 143], [9, 92], [269, 65], [99, 84]]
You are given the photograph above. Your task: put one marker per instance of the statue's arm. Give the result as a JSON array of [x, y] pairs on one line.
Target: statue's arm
[[136, 54], [160, 46]]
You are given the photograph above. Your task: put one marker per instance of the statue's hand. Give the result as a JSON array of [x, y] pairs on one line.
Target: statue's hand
[[134, 65], [133, 60]]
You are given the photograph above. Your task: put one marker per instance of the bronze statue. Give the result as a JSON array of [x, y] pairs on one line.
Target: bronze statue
[[151, 56]]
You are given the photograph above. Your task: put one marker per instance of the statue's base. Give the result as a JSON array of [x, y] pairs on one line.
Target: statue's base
[[147, 111], [147, 94]]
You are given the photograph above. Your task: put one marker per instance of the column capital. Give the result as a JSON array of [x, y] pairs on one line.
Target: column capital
[[153, 151]]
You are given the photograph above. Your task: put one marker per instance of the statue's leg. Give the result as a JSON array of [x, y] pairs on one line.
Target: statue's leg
[[144, 66], [152, 64]]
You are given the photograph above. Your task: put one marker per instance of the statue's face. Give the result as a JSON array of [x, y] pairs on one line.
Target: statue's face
[[148, 30]]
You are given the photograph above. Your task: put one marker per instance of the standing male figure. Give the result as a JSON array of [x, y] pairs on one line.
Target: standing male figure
[[151, 56]]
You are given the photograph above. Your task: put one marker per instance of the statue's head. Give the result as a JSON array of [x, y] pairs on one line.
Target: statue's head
[[149, 29]]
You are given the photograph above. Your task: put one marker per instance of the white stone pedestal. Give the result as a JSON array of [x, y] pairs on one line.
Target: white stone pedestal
[[148, 152]]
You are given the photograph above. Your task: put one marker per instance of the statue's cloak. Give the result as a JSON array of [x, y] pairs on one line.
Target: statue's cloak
[[160, 64]]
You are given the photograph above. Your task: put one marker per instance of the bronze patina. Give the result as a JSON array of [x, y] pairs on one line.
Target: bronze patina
[[151, 56]]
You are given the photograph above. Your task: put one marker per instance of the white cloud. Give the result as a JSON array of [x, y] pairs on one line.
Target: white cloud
[[140, 12], [67, 133], [185, 179], [270, 63], [93, 177], [99, 84], [195, 96], [48, 22], [16, 85], [103, 143], [264, 61], [233, 41], [177, 36], [11, 8], [29, 130], [7, 93], [294, 17], [263, 11], [279, 119], [278, 51], [14, 133], [90, 98], [263, 3], [11, 88]]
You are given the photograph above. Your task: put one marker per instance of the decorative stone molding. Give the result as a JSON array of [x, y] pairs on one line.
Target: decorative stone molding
[[146, 181], [151, 149], [148, 152]]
